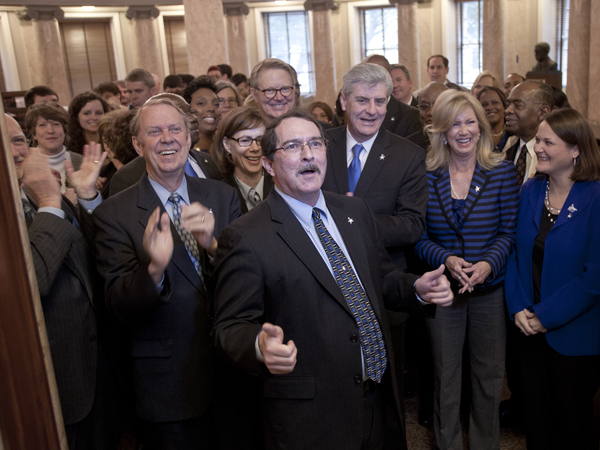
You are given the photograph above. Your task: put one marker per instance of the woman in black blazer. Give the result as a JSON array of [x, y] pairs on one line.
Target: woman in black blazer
[[237, 152]]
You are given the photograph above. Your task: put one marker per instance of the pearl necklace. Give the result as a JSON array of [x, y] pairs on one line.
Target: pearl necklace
[[548, 205], [452, 188], [501, 133]]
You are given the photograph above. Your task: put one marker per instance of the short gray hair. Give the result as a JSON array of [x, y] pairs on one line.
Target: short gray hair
[[370, 74], [403, 68], [224, 84], [134, 127], [141, 75]]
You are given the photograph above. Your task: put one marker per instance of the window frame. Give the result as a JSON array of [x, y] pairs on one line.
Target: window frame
[[459, 39], [361, 10], [563, 12]]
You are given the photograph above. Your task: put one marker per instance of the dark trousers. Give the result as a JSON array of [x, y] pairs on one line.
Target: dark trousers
[[558, 393], [191, 434], [374, 418]]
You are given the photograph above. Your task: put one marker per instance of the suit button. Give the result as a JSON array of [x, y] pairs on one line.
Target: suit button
[[353, 338], [358, 379], [92, 338]]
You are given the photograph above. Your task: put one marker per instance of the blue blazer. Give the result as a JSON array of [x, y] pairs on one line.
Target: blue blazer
[[489, 224], [570, 289]]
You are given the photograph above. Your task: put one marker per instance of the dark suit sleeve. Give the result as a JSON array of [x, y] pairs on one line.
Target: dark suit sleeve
[[239, 301], [406, 224], [51, 239], [129, 289]]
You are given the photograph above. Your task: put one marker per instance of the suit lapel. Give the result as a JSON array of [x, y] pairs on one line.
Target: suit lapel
[[378, 156], [478, 184], [577, 200], [442, 190], [338, 161], [296, 238]]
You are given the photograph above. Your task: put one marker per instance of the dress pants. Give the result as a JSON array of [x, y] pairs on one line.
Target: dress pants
[[558, 394], [482, 317], [191, 434]]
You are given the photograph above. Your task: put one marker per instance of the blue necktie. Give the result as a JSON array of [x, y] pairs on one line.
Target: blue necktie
[[189, 170], [354, 168], [28, 209], [371, 338]]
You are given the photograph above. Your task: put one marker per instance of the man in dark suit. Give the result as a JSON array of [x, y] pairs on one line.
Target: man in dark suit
[[402, 84], [427, 97], [58, 236], [400, 118], [280, 268], [153, 243], [199, 164], [437, 69]]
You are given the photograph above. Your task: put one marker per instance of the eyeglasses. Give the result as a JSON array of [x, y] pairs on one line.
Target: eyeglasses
[[246, 141], [293, 148], [20, 141], [424, 106], [230, 100], [286, 91]]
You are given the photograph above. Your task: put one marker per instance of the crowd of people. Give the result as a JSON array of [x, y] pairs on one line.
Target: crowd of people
[[222, 268]]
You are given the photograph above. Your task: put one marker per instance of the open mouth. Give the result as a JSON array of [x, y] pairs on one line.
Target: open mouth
[[167, 152], [309, 170], [463, 142], [209, 119]]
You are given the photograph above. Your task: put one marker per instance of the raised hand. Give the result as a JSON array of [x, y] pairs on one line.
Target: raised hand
[[200, 221], [279, 358], [434, 287], [40, 180], [158, 244], [84, 180]]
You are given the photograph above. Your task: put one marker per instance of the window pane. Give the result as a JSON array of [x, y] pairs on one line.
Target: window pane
[[286, 37], [470, 26], [380, 32]]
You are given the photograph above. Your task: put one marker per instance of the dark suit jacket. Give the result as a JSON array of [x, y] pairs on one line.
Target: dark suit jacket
[[268, 270], [131, 173], [401, 119], [267, 186], [171, 358], [393, 183], [61, 261], [413, 102]]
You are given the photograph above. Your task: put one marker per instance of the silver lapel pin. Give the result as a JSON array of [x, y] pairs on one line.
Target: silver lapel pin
[[382, 156], [571, 209], [477, 188], [350, 220]]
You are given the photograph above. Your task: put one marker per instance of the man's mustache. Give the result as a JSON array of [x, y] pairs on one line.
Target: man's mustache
[[307, 168]]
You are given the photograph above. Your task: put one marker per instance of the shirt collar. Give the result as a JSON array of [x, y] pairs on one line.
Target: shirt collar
[[303, 211], [529, 144], [246, 189], [350, 142], [164, 194]]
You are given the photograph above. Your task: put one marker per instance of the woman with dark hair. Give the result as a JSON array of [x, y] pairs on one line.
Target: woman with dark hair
[[202, 98], [552, 288], [470, 227], [237, 152], [493, 101], [115, 137], [85, 112], [321, 111]]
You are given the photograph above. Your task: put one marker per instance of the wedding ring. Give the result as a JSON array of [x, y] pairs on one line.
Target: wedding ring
[[203, 219], [96, 162], [459, 277]]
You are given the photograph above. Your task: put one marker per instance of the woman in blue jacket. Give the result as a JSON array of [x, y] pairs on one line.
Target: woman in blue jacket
[[471, 225], [553, 285]]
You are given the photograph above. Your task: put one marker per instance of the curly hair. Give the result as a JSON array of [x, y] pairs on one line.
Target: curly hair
[[76, 133], [114, 132], [203, 81]]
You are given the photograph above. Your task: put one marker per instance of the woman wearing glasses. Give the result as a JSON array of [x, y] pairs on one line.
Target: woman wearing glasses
[[237, 152], [228, 95]]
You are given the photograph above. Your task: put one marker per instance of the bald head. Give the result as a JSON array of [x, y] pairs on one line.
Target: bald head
[[427, 98], [380, 60]]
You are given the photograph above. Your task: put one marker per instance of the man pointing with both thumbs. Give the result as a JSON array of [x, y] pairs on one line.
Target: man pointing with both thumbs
[[302, 283]]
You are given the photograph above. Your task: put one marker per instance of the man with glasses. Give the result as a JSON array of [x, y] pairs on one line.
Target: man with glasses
[[426, 99], [274, 86], [300, 283]]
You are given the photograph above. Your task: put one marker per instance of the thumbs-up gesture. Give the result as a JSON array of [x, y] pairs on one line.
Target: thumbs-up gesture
[[279, 358], [434, 287]]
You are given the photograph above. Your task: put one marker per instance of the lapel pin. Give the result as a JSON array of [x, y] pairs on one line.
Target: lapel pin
[[350, 220], [477, 188], [206, 160], [382, 156], [210, 211], [393, 118], [571, 209]]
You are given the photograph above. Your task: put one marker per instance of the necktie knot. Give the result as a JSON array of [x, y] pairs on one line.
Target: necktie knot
[[357, 149], [253, 197], [174, 198]]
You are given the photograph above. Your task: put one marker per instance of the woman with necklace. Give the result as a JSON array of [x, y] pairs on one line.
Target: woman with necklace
[[553, 294], [471, 224], [493, 101]]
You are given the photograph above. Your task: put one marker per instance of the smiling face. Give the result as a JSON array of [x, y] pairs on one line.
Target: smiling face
[[247, 160], [301, 175], [274, 79], [163, 141], [555, 156], [50, 136], [493, 107], [205, 105], [522, 115], [90, 115], [436, 69], [365, 108], [463, 135], [18, 144], [227, 101], [402, 86]]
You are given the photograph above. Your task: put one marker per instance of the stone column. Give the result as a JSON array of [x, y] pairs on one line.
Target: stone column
[[46, 61], [205, 48], [237, 43], [594, 90], [146, 47], [408, 38], [326, 86], [578, 71], [493, 44]]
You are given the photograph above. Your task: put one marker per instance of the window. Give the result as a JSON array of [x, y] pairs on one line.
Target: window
[[470, 24], [176, 44], [380, 32], [287, 38], [562, 37], [89, 54]]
